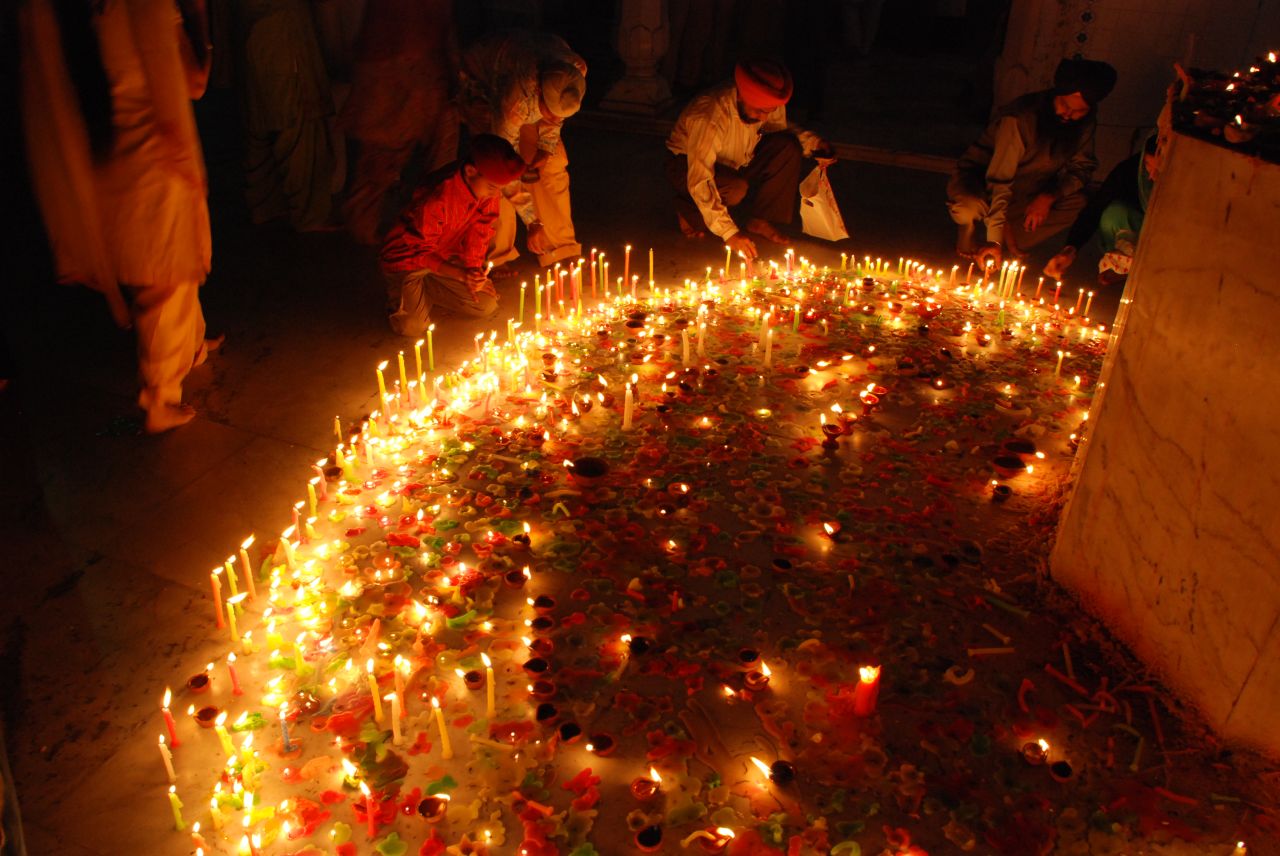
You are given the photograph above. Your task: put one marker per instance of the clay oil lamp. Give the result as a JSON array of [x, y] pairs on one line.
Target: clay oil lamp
[[200, 681], [1036, 752], [781, 773], [542, 646], [543, 690], [516, 578], [647, 788], [542, 624], [1000, 492], [545, 713], [601, 744], [1008, 466], [710, 840], [521, 540], [570, 732], [536, 666], [1061, 771], [649, 839], [830, 431], [473, 680], [586, 472], [434, 807], [543, 603], [757, 679], [206, 716], [748, 657], [639, 645]]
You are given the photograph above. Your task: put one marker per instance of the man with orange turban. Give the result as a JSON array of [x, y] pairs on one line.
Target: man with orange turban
[[732, 142]]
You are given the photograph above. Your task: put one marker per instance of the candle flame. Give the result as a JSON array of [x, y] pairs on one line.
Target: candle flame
[[435, 702], [724, 832], [168, 697], [1044, 744], [869, 674], [248, 542], [761, 766], [368, 666], [653, 774], [764, 669], [484, 658]]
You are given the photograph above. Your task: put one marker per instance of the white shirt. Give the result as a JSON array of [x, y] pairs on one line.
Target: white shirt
[[709, 132]]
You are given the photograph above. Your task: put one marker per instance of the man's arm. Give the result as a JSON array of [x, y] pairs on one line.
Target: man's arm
[[777, 121], [700, 149], [420, 235], [1002, 168], [475, 241]]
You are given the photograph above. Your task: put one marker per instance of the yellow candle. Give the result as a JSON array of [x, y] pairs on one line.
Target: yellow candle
[[248, 568], [404, 376], [373, 690], [651, 265], [417, 358], [382, 384], [176, 805], [490, 700], [395, 718], [311, 496], [431, 351], [626, 265], [220, 728], [446, 748]]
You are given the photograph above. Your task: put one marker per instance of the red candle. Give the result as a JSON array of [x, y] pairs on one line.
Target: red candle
[[371, 811], [593, 273], [168, 718], [235, 680], [864, 695]]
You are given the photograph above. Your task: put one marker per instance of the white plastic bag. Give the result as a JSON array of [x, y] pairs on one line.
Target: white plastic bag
[[819, 213]]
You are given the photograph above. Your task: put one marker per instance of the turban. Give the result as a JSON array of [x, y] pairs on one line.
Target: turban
[[562, 90], [763, 84], [1092, 79], [495, 159]]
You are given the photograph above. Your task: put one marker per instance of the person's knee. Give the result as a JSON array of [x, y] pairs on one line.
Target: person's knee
[[482, 306]]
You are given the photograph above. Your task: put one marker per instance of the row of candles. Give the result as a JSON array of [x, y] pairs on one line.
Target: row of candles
[[418, 412]]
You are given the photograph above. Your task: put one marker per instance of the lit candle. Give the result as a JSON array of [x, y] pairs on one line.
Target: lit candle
[[176, 805], [844, 261], [626, 264], [684, 346], [220, 728], [1057, 370], [651, 266], [373, 690], [404, 376], [249, 584], [431, 350], [231, 575], [1079, 300], [446, 748], [168, 718], [867, 690], [235, 679], [1087, 304], [167, 757], [523, 286], [382, 385], [395, 718], [232, 603], [312, 499], [216, 585], [768, 348], [215, 813], [370, 810], [489, 700], [628, 405]]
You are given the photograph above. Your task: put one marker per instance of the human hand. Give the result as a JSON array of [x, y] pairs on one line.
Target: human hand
[[484, 286], [537, 240], [824, 153], [1037, 210], [474, 277], [987, 255], [1058, 265], [740, 243]]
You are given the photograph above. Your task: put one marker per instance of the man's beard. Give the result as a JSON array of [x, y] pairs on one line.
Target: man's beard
[[747, 119], [1062, 135]]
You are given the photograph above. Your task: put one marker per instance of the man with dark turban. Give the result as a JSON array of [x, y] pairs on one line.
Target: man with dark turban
[[733, 141], [435, 255], [1024, 178]]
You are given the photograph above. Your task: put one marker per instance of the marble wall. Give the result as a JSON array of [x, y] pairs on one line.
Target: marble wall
[[1172, 533]]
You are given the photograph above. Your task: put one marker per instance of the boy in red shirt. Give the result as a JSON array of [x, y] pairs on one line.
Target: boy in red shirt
[[435, 254]]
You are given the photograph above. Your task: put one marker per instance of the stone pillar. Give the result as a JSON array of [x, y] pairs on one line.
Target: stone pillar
[[1172, 532], [643, 37]]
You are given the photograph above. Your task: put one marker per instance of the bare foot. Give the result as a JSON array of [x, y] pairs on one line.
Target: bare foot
[[166, 417], [766, 230], [207, 348], [688, 229]]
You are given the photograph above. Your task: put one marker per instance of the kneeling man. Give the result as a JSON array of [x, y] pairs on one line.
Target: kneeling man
[[734, 141]]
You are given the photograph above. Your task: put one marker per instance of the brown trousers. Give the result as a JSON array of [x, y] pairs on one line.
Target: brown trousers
[[772, 179], [968, 203], [411, 295]]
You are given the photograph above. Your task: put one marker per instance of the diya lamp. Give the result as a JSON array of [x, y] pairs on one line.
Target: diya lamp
[[569, 732], [521, 540], [542, 624], [647, 788], [639, 644], [649, 839], [830, 431], [1036, 752], [536, 666], [748, 657], [542, 646], [602, 744], [1061, 771], [543, 604], [543, 689], [473, 680], [205, 717], [546, 713], [1000, 492], [200, 681], [516, 578], [434, 807], [756, 680]]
